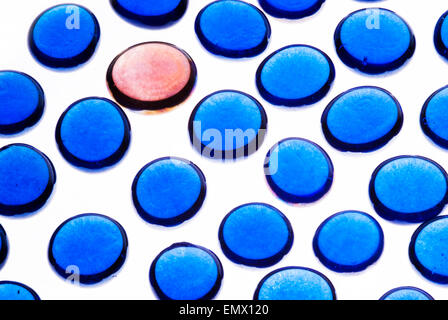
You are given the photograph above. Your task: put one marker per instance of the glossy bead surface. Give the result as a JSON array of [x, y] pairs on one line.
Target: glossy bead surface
[[27, 179], [434, 117], [295, 76], [64, 36], [298, 171], [150, 12], [227, 124], [22, 102], [15, 291], [362, 119], [295, 283], [374, 40], [256, 234], [406, 294], [93, 133], [169, 191], [428, 249], [291, 9], [409, 188], [349, 241], [185, 271], [3, 246], [441, 36], [233, 29], [88, 248]]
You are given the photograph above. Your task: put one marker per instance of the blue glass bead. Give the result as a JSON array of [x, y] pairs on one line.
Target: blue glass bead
[[294, 76], [88, 248], [409, 188], [295, 283], [3, 246], [150, 12], [27, 178], [291, 9], [10, 290], [441, 36], [185, 271], [434, 117], [64, 36], [256, 234], [374, 40], [349, 241], [233, 29], [169, 191], [428, 249], [406, 293], [93, 133], [227, 125], [298, 171], [22, 102], [362, 119]]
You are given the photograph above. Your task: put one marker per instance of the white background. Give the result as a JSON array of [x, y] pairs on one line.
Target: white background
[[229, 184]]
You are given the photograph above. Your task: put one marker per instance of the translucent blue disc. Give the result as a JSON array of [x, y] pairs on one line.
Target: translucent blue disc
[[168, 191], [409, 188], [441, 36], [150, 12], [295, 283], [256, 234], [3, 246], [294, 76], [88, 248], [233, 29], [349, 241], [185, 271], [362, 119], [227, 125], [291, 9], [434, 117], [22, 102], [64, 36], [374, 40], [298, 171], [428, 250], [27, 178], [93, 133], [406, 293], [10, 290]]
